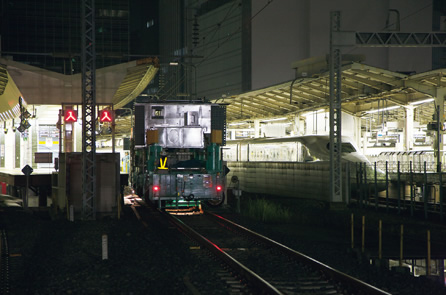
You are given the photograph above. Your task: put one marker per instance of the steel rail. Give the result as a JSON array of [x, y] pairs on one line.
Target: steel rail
[[338, 276], [255, 281]]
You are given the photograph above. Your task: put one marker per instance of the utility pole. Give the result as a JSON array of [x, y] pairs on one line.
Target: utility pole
[[339, 39], [88, 110], [335, 112]]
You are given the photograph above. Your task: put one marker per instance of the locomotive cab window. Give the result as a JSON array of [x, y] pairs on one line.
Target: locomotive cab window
[[158, 112]]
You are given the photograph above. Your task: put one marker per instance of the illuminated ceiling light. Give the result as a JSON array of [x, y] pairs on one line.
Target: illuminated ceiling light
[[173, 63], [236, 124], [382, 110], [422, 101], [275, 119]]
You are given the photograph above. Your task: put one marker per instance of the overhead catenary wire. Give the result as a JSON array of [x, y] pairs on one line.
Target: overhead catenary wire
[[219, 46], [235, 32]]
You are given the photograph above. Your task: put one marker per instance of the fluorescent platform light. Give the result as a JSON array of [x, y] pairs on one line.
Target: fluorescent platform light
[[382, 110], [275, 119], [421, 101]]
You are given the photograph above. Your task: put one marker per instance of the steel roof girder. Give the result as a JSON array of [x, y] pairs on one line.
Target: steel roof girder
[[250, 102], [388, 39], [246, 105], [240, 111], [265, 99], [371, 69], [400, 39], [368, 82], [281, 94], [396, 82], [429, 90], [278, 100], [280, 106], [243, 109], [313, 93], [309, 97]]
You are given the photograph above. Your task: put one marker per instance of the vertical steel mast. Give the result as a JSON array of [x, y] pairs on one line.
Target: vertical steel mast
[[335, 112], [88, 111]]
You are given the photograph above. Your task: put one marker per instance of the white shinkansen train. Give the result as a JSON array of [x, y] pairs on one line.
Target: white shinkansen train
[[295, 167], [289, 149]]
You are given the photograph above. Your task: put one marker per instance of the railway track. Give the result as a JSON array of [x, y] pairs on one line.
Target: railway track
[[259, 265]]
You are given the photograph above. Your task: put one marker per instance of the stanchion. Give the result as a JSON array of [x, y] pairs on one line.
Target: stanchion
[[104, 247], [428, 263], [119, 206], [1, 249], [425, 191], [366, 187], [376, 189], [401, 244], [380, 242], [68, 208], [352, 222], [411, 190], [399, 189], [441, 194], [387, 186], [361, 188], [363, 235], [349, 185]]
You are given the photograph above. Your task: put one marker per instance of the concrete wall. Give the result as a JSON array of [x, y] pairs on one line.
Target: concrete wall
[[295, 180], [70, 182], [290, 30]]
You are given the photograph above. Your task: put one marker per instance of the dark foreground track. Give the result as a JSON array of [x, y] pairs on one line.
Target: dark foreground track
[[268, 266], [260, 265]]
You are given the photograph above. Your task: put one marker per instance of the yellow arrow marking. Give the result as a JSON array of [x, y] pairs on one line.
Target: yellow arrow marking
[[163, 164]]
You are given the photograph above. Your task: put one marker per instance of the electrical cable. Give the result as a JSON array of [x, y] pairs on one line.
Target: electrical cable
[[235, 32]]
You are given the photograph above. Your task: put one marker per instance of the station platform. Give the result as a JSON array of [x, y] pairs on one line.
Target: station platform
[[10, 201], [16, 178], [13, 183]]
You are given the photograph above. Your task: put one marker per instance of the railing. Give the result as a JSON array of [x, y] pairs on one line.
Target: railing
[[417, 158], [384, 185]]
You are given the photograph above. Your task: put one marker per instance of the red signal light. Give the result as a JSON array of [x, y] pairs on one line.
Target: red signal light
[[70, 116], [156, 188], [219, 188], [106, 116]]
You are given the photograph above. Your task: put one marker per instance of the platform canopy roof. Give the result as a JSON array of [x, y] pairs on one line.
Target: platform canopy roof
[[117, 85], [9, 96], [365, 90]]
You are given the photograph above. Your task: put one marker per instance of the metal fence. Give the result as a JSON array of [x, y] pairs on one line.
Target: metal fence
[[414, 187], [417, 158]]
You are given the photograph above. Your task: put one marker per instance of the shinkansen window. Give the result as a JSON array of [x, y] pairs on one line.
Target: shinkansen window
[[158, 112]]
